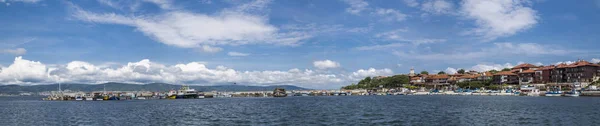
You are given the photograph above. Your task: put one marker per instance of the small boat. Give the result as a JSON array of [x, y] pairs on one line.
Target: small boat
[[88, 97], [573, 92], [553, 92], [141, 98], [279, 92], [78, 98]]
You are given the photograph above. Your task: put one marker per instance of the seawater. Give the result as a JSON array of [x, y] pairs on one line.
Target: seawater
[[323, 110]]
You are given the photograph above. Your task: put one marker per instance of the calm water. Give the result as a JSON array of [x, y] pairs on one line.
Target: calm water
[[340, 110]]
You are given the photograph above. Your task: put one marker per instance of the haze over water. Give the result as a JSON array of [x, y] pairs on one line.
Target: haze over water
[[350, 110]]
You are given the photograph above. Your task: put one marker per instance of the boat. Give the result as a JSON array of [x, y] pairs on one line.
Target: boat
[[573, 92], [279, 92], [553, 92], [88, 97], [78, 98], [141, 98], [186, 93], [528, 90]]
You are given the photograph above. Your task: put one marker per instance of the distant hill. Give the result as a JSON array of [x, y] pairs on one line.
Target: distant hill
[[15, 89]]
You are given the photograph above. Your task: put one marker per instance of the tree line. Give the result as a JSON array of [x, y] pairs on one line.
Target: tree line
[[387, 82]]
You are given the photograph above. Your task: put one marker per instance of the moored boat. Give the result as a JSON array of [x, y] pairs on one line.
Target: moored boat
[[279, 92]]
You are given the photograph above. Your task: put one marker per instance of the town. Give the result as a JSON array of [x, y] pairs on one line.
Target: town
[[523, 79]]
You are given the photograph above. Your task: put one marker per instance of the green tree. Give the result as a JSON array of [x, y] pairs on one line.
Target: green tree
[[493, 71], [441, 72], [506, 69], [424, 72], [461, 71]]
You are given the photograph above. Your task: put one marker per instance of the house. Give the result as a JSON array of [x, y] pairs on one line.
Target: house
[[437, 79], [522, 67], [542, 75], [526, 76], [505, 77], [581, 71]]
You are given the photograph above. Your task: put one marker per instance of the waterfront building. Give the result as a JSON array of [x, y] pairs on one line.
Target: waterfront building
[[505, 77]]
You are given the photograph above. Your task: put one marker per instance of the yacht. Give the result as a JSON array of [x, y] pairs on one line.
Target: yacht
[[186, 93]]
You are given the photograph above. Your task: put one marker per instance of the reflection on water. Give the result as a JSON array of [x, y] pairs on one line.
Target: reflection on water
[[349, 110]]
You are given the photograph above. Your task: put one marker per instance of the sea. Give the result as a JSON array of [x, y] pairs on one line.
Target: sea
[[307, 110]]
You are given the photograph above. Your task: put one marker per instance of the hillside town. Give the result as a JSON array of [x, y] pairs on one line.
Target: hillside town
[[563, 76]]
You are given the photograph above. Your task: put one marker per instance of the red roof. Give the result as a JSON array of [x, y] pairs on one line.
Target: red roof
[[528, 71], [505, 73], [525, 65], [582, 63], [547, 67], [439, 76]]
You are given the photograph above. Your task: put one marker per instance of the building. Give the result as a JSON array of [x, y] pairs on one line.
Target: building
[[581, 71], [526, 76], [437, 79], [412, 72], [542, 75], [505, 77]]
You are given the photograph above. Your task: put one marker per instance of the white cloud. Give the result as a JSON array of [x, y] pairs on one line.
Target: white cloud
[[488, 67], [538, 64], [209, 49], [326, 64], [451, 70], [232, 26], [17, 51], [26, 72], [390, 14], [399, 65], [426, 41], [594, 60], [499, 18], [237, 54], [498, 50], [356, 6], [411, 3], [395, 35], [371, 72], [437, 7], [196, 73], [565, 62], [380, 47], [24, 1], [163, 4]]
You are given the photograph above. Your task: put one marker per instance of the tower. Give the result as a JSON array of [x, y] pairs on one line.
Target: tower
[[412, 72]]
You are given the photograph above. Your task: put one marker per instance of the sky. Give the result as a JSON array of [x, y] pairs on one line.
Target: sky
[[319, 44]]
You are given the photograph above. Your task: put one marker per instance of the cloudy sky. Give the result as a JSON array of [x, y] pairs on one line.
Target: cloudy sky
[[321, 44]]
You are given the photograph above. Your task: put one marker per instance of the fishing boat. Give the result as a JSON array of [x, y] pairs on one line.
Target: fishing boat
[[553, 92], [279, 92], [573, 92]]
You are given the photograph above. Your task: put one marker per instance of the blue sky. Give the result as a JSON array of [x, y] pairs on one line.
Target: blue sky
[[308, 43]]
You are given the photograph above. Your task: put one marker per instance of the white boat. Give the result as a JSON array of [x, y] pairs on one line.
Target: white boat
[[553, 93], [573, 92], [78, 98], [570, 94]]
